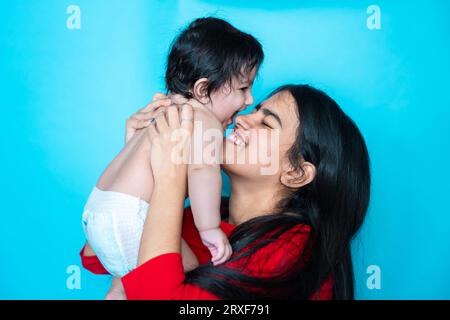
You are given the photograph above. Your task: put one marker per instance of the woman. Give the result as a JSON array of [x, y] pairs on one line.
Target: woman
[[290, 231]]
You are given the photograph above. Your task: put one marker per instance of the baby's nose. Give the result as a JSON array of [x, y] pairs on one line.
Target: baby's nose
[[249, 100]]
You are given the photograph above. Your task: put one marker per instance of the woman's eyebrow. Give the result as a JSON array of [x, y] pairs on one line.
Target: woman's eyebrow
[[267, 112]]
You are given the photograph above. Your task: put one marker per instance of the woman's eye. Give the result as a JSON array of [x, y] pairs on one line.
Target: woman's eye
[[267, 126]]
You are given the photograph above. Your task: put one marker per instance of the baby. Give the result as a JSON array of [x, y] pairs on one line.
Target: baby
[[215, 64]]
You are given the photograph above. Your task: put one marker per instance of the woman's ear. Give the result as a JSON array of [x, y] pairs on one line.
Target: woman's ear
[[200, 90], [297, 178]]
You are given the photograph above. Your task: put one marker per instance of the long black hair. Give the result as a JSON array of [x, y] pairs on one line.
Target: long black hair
[[210, 48], [333, 205]]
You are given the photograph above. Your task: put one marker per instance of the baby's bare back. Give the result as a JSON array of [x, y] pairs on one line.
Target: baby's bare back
[[130, 171]]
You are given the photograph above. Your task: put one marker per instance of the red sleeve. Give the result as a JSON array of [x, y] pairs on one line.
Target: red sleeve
[[162, 278], [92, 263], [192, 237]]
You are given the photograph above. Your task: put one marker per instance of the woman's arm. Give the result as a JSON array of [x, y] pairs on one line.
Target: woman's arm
[[90, 261], [160, 273], [162, 228]]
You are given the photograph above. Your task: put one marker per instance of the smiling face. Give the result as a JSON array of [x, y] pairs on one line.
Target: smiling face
[[233, 97], [267, 133]]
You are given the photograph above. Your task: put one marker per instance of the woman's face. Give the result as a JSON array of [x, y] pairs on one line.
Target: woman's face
[[257, 147]]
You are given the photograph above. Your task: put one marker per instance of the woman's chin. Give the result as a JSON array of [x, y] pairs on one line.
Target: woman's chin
[[237, 160], [229, 151]]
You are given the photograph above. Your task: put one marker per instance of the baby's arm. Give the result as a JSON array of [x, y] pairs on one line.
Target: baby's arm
[[205, 188]]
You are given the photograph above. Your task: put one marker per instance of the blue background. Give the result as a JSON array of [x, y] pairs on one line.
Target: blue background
[[65, 96]]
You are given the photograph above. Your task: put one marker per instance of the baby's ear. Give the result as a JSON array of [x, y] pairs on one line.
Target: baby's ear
[[200, 90]]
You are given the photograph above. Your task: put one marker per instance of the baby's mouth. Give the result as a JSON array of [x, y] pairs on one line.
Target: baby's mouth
[[231, 119]]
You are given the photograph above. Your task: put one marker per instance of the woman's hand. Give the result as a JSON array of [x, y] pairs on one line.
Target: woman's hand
[[140, 119], [170, 137]]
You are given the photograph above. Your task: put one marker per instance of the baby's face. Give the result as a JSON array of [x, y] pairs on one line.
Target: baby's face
[[228, 101]]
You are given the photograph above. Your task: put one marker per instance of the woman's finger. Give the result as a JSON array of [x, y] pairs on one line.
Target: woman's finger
[[159, 96], [138, 121], [161, 122], [142, 115], [133, 123], [173, 116], [178, 99], [156, 104], [187, 117], [195, 103], [152, 131]]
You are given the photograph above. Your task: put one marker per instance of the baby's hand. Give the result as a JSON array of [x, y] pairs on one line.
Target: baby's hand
[[217, 243]]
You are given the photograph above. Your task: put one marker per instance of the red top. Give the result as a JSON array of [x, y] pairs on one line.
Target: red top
[[162, 277]]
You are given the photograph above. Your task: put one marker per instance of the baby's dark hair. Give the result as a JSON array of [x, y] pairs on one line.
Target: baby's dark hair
[[210, 48]]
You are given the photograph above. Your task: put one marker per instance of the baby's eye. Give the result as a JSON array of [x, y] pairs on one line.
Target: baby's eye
[[244, 88]]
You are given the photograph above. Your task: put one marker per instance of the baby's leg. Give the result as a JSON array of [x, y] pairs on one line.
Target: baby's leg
[[130, 172]]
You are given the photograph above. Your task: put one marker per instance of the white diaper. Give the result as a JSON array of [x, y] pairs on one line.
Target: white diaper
[[113, 223]]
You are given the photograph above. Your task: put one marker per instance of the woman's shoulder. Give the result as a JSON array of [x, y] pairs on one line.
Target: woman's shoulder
[[291, 240], [297, 233], [279, 253]]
